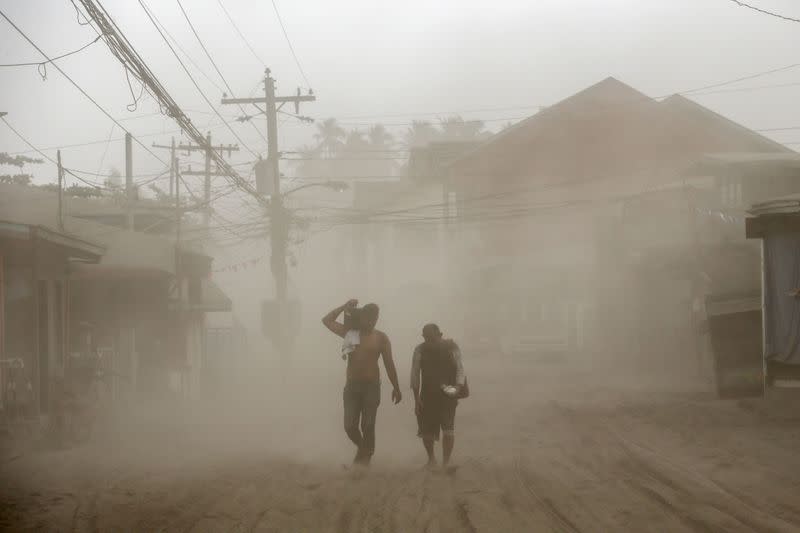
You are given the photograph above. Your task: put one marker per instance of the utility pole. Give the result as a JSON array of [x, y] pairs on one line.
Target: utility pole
[[207, 184], [60, 192], [279, 220], [129, 194], [189, 148]]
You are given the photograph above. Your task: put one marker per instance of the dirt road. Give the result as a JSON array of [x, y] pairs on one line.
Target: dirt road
[[556, 456]]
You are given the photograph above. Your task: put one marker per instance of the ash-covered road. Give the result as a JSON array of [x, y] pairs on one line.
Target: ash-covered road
[[564, 454]]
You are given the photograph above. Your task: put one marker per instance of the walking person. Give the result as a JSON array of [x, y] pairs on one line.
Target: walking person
[[437, 380], [362, 391]]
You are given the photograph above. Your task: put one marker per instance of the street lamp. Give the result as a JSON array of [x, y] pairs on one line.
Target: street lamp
[[338, 186]]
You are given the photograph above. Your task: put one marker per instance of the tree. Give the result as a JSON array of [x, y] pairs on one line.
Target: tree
[[455, 128], [420, 133], [18, 161], [15, 179], [380, 145], [329, 136], [114, 180], [354, 144], [379, 137]]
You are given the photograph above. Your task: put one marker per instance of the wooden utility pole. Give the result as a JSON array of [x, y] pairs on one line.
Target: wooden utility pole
[[178, 217], [279, 220], [189, 148], [207, 184], [129, 193], [60, 192]]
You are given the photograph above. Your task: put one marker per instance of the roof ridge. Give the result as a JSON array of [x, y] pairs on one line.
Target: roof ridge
[[681, 99]]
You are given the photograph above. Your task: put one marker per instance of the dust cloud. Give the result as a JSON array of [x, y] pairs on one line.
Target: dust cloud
[[584, 196]]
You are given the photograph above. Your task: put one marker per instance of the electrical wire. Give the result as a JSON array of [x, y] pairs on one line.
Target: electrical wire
[[153, 19], [53, 161], [241, 36], [122, 49], [214, 64], [764, 11], [97, 105], [36, 63], [289, 42], [743, 78]]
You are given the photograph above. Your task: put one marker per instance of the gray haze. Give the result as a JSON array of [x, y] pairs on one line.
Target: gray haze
[[575, 269], [417, 58]]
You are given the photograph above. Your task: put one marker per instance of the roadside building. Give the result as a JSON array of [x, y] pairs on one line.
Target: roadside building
[[398, 248], [776, 223], [140, 307], [597, 186], [34, 311]]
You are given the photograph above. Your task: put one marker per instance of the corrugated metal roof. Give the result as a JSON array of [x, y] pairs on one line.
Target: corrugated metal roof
[[29, 205], [776, 206], [791, 160]]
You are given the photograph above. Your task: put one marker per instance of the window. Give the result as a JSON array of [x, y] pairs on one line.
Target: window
[[452, 204]]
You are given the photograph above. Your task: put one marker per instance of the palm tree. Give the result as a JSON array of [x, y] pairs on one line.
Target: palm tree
[[354, 143], [379, 137], [455, 128], [420, 133], [329, 136]]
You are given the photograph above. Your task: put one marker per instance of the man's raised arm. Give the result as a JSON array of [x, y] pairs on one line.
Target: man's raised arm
[[332, 324]]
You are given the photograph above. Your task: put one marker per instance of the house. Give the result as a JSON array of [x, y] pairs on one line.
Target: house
[[776, 222], [34, 310], [397, 249], [140, 306], [588, 187]]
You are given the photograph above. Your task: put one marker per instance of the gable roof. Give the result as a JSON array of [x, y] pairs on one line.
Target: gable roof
[[703, 117], [672, 132], [609, 94]]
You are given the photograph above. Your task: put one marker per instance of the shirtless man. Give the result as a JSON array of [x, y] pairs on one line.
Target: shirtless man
[[362, 392]]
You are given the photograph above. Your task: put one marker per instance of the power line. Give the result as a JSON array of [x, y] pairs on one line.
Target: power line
[[743, 78], [214, 64], [34, 63], [53, 161], [122, 49], [140, 63], [97, 105], [289, 42], [246, 42], [189, 57], [746, 89], [764, 11]]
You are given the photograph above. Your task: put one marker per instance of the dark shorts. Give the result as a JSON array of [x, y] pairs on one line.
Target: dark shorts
[[437, 415]]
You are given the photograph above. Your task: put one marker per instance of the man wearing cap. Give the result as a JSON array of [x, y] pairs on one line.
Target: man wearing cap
[[435, 369]]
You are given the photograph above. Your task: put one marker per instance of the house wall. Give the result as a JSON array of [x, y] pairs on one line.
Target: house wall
[[35, 310]]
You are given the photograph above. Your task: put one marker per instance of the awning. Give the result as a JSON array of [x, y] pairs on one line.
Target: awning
[[115, 272], [77, 248]]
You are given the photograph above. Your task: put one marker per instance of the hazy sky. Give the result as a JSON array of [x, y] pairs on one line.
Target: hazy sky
[[370, 59]]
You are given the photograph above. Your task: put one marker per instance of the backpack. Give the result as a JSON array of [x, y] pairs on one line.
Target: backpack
[[463, 391]]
